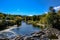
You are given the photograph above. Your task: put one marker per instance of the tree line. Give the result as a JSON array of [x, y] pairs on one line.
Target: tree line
[[51, 18]]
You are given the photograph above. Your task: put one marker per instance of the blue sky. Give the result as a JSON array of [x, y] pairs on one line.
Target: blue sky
[[27, 7]]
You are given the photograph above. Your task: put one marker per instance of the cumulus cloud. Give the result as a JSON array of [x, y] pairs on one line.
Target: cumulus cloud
[[57, 8]]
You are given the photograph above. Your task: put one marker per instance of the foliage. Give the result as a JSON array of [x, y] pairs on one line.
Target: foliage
[[51, 17], [53, 36], [43, 20]]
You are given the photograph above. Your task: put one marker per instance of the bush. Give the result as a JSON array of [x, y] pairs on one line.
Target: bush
[[53, 36]]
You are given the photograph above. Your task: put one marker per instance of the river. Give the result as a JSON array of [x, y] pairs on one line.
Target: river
[[25, 29]]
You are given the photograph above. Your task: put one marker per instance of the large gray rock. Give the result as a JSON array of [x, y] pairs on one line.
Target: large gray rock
[[19, 38], [28, 38], [44, 37]]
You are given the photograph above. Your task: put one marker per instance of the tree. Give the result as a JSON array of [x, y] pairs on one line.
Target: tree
[[49, 18], [1, 16], [52, 10], [58, 12]]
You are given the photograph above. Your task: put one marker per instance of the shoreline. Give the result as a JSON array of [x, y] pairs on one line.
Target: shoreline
[[6, 30], [41, 34]]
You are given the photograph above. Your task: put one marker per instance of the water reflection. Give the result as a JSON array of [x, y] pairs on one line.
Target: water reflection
[[25, 29]]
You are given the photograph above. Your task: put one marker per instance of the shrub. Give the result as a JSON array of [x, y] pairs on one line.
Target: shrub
[[53, 36]]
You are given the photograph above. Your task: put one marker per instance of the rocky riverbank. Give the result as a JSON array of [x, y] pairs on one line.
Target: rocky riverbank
[[46, 34]]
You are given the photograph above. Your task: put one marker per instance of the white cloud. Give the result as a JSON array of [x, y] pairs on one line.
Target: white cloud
[[46, 12], [30, 15], [57, 8]]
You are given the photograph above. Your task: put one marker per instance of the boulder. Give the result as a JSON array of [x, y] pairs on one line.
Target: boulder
[[19, 38]]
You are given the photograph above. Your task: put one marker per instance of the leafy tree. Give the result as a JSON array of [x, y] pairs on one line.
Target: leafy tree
[[52, 10], [1, 16], [58, 13]]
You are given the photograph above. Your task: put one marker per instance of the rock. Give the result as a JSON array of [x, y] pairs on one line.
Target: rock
[[38, 34], [19, 38], [44, 37], [4, 39], [28, 38]]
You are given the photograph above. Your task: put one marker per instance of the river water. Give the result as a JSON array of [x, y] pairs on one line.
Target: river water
[[26, 29]]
